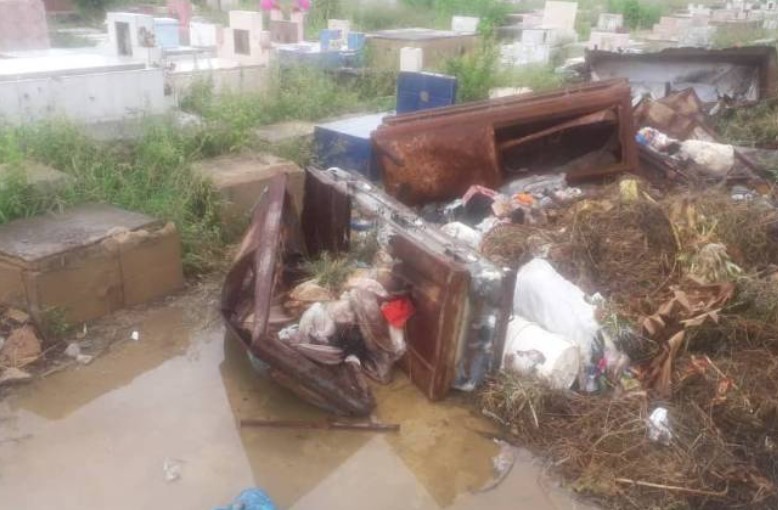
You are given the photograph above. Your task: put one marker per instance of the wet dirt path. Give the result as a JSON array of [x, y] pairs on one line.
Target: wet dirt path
[[97, 436]]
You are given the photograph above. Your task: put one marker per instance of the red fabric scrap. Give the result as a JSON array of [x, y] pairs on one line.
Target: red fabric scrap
[[398, 311]]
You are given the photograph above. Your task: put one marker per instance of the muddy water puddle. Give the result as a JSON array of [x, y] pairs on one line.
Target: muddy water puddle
[[97, 436]]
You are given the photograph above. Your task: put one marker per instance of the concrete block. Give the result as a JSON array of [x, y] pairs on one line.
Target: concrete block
[[439, 46], [608, 22], [411, 59], [343, 25], [202, 35], [87, 261], [240, 180], [246, 20], [12, 291], [560, 15], [464, 24], [84, 287], [284, 32], [150, 264]]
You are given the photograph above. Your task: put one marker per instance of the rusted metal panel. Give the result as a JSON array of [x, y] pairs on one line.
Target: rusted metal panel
[[326, 218], [436, 155], [454, 340], [682, 116], [256, 277], [439, 291], [743, 74]]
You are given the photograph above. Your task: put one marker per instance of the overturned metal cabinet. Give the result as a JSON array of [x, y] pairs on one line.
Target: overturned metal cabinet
[[737, 74], [584, 131], [463, 302], [258, 276]]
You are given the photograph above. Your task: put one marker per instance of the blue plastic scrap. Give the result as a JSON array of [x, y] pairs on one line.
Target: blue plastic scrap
[[251, 499], [422, 91], [346, 144]]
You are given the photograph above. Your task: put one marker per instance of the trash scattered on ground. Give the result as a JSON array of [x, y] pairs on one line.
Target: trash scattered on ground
[[352, 296], [251, 499], [676, 403], [172, 469], [13, 376], [135, 336], [73, 350], [21, 347], [659, 426], [637, 339], [502, 463]]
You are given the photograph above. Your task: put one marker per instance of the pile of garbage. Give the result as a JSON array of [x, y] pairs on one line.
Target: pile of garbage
[[20, 346], [344, 309], [643, 351]]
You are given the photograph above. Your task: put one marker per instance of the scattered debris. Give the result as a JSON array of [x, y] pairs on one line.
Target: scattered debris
[[73, 350], [251, 499], [502, 464], [172, 469], [13, 376], [22, 347], [659, 426], [135, 336]]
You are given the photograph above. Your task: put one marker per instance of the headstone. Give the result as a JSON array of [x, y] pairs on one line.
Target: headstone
[[241, 179], [464, 24], [203, 35], [411, 59]]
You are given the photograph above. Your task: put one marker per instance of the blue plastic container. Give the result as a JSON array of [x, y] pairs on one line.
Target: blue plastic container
[[327, 36], [422, 91], [356, 41], [166, 33], [346, 144]]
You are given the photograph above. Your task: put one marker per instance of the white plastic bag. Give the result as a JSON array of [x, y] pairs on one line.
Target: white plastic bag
[[460, 231], [546, 298], [531, 350], [713, 158], [316, 324]]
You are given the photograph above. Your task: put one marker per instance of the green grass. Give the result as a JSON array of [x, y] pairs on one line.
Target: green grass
[[754, 126], [733, 35], [479, 72], [300, 93], [407, 13], [153, 174]]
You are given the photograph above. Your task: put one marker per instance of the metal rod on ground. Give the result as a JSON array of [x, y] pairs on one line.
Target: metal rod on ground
[[320, 425]]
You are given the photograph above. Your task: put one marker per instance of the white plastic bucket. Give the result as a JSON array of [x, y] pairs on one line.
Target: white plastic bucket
[[530, 349]]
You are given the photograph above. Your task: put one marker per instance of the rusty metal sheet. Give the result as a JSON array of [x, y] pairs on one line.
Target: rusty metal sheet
[[463, 301], [255, 278], [741, 74], [681, 115], [437, 154]]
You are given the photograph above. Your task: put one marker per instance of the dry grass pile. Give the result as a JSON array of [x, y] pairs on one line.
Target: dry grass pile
[[627, 248], [514, 245], [748, 229], [695, 275], [600, 444]]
